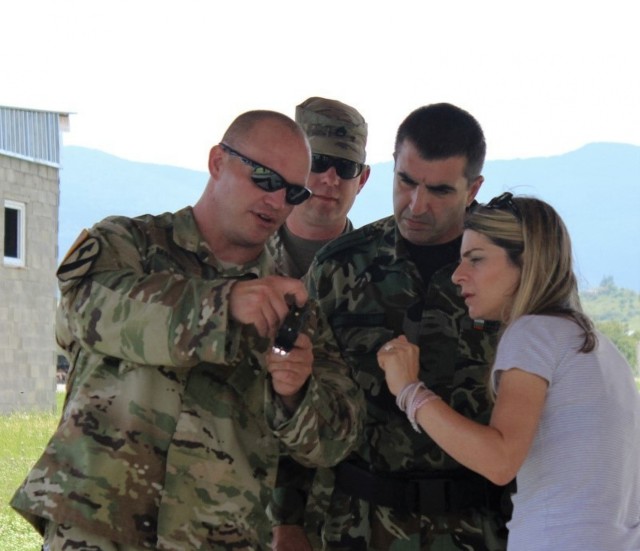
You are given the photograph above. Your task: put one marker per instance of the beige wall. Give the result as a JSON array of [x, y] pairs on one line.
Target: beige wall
[[28, 294]]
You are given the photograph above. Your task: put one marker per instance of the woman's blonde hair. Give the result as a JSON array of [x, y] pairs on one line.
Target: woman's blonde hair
[[537, 241]]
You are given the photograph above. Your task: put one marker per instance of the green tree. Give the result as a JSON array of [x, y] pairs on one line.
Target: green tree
[[607, 283], [626, 341]]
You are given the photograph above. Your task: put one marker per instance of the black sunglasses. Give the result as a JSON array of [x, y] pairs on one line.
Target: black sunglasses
[[269, 180], [504, 202], [345, 168]]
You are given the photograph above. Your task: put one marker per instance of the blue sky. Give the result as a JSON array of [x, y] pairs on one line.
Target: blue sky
[[159, 81]]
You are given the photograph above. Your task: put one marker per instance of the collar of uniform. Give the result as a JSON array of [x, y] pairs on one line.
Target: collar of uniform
[[187, 236], [185, 230], [400, 249]]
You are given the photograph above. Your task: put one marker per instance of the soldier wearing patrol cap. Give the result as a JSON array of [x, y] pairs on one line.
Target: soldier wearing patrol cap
[[337, 134]]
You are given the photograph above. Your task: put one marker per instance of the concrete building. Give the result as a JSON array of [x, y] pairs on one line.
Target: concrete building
[[30, 143]]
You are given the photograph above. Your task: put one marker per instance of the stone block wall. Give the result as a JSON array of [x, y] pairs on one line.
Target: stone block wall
[[28, 294]]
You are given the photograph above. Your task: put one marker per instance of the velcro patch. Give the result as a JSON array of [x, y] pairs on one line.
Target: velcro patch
[[80, 258]]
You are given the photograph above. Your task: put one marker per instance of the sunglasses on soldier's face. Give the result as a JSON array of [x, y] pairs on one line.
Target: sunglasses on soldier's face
[[345, 169], [269, 180]]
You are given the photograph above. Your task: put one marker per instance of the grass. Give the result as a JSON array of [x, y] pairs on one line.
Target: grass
[[24, 437]]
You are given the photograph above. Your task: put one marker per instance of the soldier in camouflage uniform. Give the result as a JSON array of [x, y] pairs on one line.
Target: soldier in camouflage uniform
[[177, 409], [337, 134], [398, 491]]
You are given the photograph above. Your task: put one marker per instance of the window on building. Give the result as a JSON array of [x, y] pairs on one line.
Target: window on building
[[14, 233]]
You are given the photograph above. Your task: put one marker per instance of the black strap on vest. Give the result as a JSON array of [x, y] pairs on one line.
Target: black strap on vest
[[451, 492]]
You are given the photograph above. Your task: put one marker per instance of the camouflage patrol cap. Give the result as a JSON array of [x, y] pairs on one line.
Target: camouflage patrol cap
[[333, 128]]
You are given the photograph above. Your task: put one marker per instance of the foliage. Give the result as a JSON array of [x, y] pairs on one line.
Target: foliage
[[616, 312], [24, 437], [626, 342], [611, 303]]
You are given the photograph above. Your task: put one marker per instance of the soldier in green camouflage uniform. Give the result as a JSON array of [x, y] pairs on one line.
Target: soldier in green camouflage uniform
[[398, 491], [177, 409], [337, 135]]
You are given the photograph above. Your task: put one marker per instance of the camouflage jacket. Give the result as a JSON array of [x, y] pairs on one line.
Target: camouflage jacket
[[370, 292], [284, 257], [171, 433]]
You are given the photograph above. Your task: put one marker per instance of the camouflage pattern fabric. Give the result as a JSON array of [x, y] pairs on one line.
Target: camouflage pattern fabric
[[371, 292], [288, 261], [64, 537], [302, 497], [171, 432], [333, 128]]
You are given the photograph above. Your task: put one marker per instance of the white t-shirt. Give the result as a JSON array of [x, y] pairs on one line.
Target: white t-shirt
[[579, 487]]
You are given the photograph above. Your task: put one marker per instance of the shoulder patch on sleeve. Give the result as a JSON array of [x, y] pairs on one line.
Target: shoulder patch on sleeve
[[80, 257]]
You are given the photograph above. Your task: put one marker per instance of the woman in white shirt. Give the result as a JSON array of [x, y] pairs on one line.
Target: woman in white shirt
[[566, 418]]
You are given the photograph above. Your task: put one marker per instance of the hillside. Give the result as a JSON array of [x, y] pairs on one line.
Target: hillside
[[610, 303], [616, 312]]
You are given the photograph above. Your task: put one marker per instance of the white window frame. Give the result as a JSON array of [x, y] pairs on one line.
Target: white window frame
[[19, 261]]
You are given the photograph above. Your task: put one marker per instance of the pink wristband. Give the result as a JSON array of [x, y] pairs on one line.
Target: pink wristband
[[411, 398]]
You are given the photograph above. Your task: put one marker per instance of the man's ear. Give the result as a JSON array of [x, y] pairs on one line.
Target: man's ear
[[216, 155], [364, 177], [474, 188]]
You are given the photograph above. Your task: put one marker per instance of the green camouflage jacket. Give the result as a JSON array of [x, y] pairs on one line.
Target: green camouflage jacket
[[284, 258], [171, 433], [370, 291]]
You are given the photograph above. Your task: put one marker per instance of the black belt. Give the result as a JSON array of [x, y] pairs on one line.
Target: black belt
[[448, 492]]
